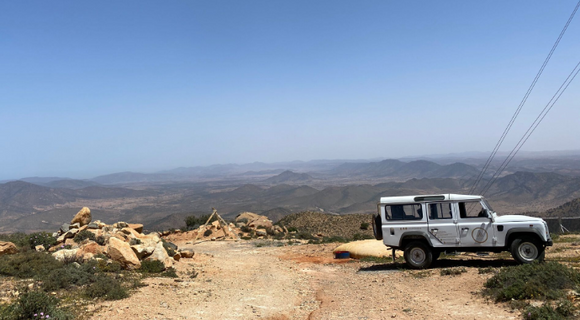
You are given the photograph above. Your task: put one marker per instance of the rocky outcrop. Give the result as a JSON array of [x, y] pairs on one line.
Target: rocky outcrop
[[7, 248], [122, 242], [83, 217]]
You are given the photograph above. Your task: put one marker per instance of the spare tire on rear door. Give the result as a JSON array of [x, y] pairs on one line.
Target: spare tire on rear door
[[378, 227]]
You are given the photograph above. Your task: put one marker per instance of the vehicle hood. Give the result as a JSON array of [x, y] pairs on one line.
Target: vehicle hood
[[517, 218]]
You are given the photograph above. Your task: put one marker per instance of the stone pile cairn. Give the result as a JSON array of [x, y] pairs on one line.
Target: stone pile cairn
[[121, 242], [247, 225]]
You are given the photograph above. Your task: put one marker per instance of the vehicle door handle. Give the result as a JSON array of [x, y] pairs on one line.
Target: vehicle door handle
[[464, 229]]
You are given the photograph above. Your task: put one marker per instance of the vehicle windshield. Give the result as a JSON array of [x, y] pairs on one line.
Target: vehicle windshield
[[488, 205]]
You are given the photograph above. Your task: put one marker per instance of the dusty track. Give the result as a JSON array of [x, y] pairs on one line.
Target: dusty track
[[238, 280]]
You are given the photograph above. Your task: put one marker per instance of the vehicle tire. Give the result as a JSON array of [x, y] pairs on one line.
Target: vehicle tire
[[418, 255], [526, 250], [377, 227]]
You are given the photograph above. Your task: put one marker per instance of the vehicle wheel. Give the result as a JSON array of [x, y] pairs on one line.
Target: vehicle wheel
[[526, 250], [418, 255], [377, 227]]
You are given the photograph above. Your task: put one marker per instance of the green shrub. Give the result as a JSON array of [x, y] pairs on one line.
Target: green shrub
[[108, 266], [83, 235], [34, 305], [134, 242], [486, 270], [532, 281], [292, 229], [41, 238], [452, 271], [28, 264], [65, 278], [106, 287], [194, 222], [151, 266], [101, 240], [547, 312], [334, 239], [364, 226], [21, 240], [170, 273]]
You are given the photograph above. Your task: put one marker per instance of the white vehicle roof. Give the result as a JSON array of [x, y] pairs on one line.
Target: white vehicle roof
[[429, 198]]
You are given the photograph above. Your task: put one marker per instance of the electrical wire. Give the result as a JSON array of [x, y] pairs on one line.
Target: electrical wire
[[520, 106]]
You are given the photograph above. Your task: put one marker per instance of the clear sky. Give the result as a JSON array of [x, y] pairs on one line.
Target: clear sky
[[94, 87]]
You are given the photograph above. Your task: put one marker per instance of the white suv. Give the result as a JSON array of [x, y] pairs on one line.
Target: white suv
[[423, 226]]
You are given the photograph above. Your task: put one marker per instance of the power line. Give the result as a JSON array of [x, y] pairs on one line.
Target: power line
[[524, 99], [533, 126]]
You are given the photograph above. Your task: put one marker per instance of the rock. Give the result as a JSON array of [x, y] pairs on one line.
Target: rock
[[171, 245], [261, 232], [65, 227], [65, 254], [7, 248], [40, 248], [142, 251], [160, 254], [177, 256], [136, 226], [75, 225], [93, 225], [83, 217], [69, 234], [121, 225], [121, 252], [187, 253], [89, 250]]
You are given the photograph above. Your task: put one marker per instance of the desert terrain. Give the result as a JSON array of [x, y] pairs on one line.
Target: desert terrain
[[259, 280]]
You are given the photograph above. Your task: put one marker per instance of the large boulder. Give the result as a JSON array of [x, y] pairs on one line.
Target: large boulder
[[253, 220], [121, 252], [136, 226], [83, 217], [7, 248], [160, 254]]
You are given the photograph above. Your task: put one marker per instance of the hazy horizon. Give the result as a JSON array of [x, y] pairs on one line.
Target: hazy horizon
[[91, 88]]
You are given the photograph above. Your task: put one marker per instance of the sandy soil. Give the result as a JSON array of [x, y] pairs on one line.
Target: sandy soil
[[237, 280]]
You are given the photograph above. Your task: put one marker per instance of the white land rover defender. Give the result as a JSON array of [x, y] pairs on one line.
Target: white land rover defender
[[424, 226]]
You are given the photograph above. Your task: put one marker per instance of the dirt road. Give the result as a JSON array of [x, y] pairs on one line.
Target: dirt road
[[237, 280]]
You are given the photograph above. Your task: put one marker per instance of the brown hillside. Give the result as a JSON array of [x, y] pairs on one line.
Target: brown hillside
[[329, 225]]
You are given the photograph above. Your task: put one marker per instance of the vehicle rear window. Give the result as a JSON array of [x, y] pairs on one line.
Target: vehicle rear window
[[404, 212]]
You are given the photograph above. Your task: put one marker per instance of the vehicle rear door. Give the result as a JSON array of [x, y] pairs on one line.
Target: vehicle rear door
[[442, 224]]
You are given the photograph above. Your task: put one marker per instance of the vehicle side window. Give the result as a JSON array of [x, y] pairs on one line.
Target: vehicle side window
[[471, 210], [440, 211], [404, 212]]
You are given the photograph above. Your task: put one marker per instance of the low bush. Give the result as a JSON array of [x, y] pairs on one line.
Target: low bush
[[107, 288], [452, 271], [364, 226], [134, 242], [151, 266], [194, 222], [169, 273], [563, 310], [359, 236], [20, 239], [67, 277], [532, 281], [83, 235], [101, 240], [108, 266], [34, 305], [41, 238], [28, 264]]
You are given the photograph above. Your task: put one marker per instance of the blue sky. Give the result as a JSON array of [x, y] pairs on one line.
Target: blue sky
[[93, 87]]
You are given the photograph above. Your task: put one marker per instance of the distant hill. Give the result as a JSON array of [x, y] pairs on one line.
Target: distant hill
[[568, 209], [289, 176], [70, 184], [396, 169], [134, 177]]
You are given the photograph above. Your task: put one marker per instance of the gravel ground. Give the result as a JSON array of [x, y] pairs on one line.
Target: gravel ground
[[238, 280]]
